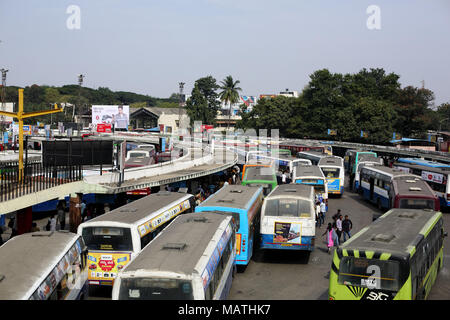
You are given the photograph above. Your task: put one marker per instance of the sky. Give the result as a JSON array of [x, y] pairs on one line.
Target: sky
[[149, 46]]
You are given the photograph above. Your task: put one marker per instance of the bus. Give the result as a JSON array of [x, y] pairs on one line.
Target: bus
[[244, 205], [312, 175], [116, 237], [397, 257], [437, 175], [259, 173], [364, 160], [333, 170], [47, 265], [288, 218], [298, 147], [313, 156], [376, 184], [352, 158], [192, 259]]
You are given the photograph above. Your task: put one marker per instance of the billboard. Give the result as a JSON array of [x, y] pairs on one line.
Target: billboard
[[118, 116], [77, 152]]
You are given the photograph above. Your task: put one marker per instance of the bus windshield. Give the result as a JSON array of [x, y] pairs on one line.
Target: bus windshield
[[138, 155], [108, 238], [288, 208], [155, 289], [331, 172], [416, 203], [361, 272]]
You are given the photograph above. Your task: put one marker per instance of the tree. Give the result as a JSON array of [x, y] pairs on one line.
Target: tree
[[413, 109], [230, 93], [203, 104]]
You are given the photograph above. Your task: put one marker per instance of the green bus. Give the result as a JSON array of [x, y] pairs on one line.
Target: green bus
[[260, 173], [396, 257]]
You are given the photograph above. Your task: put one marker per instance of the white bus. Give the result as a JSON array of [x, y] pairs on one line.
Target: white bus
[[313, 156], [192, 259], [364, 160], [333, 170], [115, 238], [43, 266], [312, 175], [288, 218]]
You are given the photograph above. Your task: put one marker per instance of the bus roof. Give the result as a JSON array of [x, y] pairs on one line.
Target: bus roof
[[309, 171], [393, 172], [292, 190], [27, 260], [368, 157], [259, 173], [135, 211], [413, 187], [423, 162], [259, 162], [314, 153], [234, 196], [180, 246], [331, 161], [396, 232], [441, 170]]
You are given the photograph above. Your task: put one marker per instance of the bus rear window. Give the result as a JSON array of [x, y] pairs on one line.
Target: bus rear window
[[417, 204], [361, 272], [155, 289], [331, 172], [108, 238], [288, 208]]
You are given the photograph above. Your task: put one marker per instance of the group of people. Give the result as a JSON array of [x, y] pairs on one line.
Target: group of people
[[340, 226]]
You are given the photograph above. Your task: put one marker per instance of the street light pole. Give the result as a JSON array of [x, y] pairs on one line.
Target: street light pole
[[181, 87], [80, 83]]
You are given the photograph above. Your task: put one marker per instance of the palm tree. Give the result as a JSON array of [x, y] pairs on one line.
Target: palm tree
[[230, 93]]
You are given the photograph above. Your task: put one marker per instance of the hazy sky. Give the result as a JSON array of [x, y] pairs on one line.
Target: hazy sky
[[148, 46]]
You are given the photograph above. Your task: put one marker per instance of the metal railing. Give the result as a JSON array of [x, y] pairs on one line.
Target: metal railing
[[35, 177]]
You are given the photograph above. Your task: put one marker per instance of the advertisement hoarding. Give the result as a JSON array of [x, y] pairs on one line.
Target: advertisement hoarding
[[117, 116]]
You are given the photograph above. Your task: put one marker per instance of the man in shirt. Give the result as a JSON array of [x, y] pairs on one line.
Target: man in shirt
[[323, 209], [339, 227], [347, 225]]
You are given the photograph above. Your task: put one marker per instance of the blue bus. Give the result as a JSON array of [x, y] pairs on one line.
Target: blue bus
[[436, 174], [244, 204]]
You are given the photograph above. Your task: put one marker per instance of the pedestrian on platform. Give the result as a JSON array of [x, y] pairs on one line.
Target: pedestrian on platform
[[284, 178], [83, 210], [51, 225], [347, 226], [62, 217]]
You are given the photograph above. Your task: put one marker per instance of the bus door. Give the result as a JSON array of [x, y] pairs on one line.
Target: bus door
[[372, 187]]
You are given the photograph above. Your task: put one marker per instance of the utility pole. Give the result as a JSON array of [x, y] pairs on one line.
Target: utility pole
[[3, 97], [80, 83], [181, 87]]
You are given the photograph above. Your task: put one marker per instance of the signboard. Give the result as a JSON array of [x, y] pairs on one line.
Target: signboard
[[79, 152], [433, 177], [287, 232], [104, 127], [364, 134], [332, 132], [118, 115]]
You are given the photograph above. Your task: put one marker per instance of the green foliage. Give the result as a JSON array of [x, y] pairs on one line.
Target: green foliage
[[203, 104]]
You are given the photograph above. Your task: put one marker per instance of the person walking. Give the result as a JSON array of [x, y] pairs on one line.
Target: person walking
[[283, 177], [339, 227], [329, 234], [347, 226], [51, 225], [62, 217], [336, 241], [323, 209], [83, 211], [318, 220]]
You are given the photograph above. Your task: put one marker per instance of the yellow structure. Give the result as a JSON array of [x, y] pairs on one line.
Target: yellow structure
[[20, 115]]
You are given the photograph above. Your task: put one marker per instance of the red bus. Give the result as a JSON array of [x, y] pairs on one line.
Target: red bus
[[410, 193]]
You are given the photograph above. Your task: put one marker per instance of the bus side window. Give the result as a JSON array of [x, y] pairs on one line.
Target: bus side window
[[146, 239]]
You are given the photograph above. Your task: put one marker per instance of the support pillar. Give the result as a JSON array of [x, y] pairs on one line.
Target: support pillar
[[24, 220], [74, 212]]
